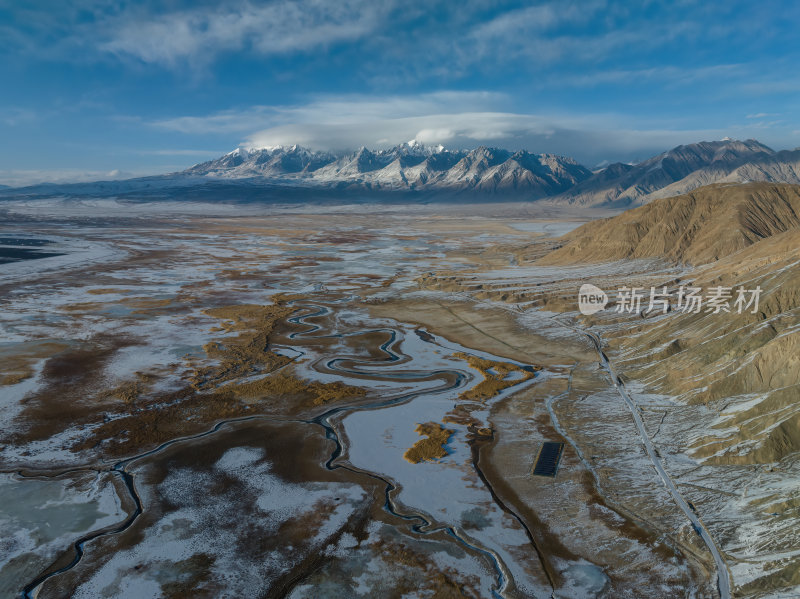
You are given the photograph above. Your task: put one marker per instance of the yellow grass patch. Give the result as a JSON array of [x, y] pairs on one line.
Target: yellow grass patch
[[494, 377], [83, 307], [432, 447], [287, 384], [249, 353], [13, 379], [244, 378], [246, 354], [17, 367], [130, 391]]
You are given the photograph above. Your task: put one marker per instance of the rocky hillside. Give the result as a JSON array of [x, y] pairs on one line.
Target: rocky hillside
[[781, 166], [745, 367], [695, 228], [676, 169]]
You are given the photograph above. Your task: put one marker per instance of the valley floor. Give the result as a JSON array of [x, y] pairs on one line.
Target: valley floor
[[222, 401]]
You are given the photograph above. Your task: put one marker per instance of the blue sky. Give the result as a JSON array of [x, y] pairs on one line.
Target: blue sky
[[94, 89]]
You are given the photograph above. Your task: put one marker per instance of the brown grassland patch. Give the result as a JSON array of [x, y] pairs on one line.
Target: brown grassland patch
[[432, 447], [494, 377], [247, 353], [214, 391], [18, 366]]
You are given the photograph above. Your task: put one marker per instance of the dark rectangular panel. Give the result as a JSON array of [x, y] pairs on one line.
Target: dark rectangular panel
[[547, 461]]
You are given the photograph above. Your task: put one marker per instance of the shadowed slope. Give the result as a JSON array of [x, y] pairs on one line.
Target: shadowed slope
[[696, 228]]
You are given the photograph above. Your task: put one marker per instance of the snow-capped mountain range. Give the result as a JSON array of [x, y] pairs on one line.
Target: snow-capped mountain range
[[685, 168], [408, 166], [412, 170]]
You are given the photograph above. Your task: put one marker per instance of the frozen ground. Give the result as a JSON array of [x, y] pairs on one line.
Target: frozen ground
[[133, 296]]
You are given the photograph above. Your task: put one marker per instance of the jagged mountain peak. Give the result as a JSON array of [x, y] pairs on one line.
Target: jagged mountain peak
[[267, 161], [716, 150], [408, 165], [416, 148], [414, 166], [673, 172]]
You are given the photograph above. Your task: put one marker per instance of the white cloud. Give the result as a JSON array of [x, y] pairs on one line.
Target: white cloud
[[550, 34], [433, 136], [280, 27], [20, 177], [454, 119], [524, 20], [456, 129], [328, 111], [459, 119]]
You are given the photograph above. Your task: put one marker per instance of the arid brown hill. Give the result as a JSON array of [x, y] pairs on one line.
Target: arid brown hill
[[697, 228], [748, 363], [744, 366]]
